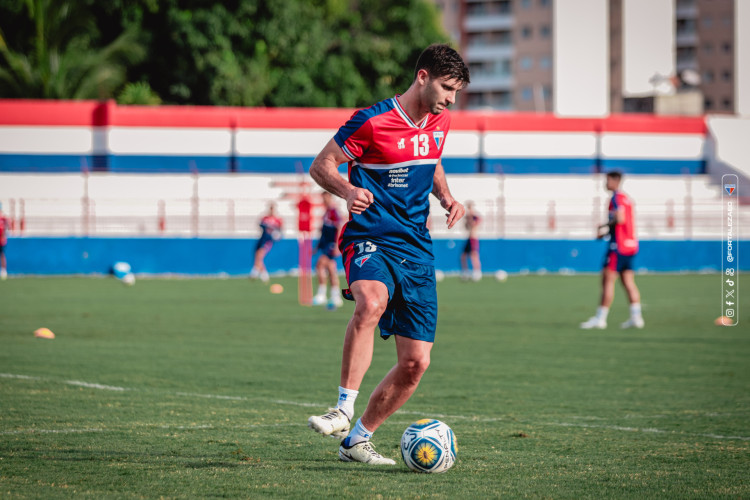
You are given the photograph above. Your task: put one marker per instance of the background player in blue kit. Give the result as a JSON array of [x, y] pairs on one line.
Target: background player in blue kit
[[325, 267], [393, 149], [270, 226]]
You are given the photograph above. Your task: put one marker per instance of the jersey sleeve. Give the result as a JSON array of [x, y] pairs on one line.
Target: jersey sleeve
[[355, 136]]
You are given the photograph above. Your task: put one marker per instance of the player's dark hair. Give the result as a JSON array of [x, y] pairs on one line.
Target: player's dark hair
[[441, 60], [615, 174]]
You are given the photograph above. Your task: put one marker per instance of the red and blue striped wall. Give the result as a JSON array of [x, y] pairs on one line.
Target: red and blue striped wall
[[65, 136]]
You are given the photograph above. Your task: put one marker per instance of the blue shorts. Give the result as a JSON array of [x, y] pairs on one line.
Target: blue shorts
[[615, 261], [412, 296], [265, 242], [328, 248]]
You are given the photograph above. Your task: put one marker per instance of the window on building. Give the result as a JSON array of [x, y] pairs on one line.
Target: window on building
[[726, 75], [726, 47], [527, 93], [525, 4], [708, 76], [545, 31], [544, 3], [708, 103], [726, 103], [708, 48], [707, 21], [526, 63], [545, 62], [526, 31]]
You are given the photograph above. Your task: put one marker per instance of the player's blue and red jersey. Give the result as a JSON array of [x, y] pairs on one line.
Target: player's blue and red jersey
[[395, 159], [271, 226], [4, 229], [622, 238], [331, 222]]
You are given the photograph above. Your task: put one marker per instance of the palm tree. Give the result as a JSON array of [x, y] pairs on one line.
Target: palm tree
[[60, 61]]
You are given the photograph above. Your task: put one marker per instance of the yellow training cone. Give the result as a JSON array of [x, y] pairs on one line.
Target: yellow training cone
[[44, 333]]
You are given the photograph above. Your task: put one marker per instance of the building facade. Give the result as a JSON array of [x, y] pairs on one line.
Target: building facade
[[510, 46]]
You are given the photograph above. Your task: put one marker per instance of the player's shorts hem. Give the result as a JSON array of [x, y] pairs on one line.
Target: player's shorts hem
[[424, 336]]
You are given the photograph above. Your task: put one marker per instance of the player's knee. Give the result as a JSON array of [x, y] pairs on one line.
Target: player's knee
[[371, 307], [415, 366]]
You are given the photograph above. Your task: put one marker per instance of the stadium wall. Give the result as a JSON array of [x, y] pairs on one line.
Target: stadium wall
[[74, 136], [233, 256]]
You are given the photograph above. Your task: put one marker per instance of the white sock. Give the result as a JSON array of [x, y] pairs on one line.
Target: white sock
[[602, 312], [635, 310], [358, 434], [321, 290], [346, 401]]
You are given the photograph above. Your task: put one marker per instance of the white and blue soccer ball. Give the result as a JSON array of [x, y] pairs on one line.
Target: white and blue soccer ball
[[428, 445]]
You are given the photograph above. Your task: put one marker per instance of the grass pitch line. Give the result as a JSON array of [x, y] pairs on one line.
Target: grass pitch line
[[648, 430], [50, 431]]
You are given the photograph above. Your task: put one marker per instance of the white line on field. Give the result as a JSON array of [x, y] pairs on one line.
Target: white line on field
[[50, 431], [474, 418], [92, 385], [647, 430]]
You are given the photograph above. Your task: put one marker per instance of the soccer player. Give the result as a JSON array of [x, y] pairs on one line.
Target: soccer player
[[393, 149], [623, 247], [4, 228], [270, 224], [325, 267], [471, 250]]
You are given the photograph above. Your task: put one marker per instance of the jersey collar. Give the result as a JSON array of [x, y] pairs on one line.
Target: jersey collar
[[405, 117]]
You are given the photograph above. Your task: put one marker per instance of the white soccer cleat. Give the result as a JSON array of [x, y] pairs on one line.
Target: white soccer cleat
[[633, 323], [335, 423], [336, 300], [594, 322], [365, 453], [319, 300]]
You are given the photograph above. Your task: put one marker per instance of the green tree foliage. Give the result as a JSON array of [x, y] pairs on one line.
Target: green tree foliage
[[267, 53], [51, 52]]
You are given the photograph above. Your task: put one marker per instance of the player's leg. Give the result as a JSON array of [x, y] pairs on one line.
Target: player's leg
[[476, 265], [371, 299], [627, 276], [608, 278], [333, 281], [3, 263], [390, 395], [400, 383], [321, 267], [464, 266]]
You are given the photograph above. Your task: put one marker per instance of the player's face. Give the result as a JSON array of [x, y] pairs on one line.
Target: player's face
[[439, 93], [612, 184]]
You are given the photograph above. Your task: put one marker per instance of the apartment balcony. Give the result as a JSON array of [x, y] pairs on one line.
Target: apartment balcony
[[485, 81], [686, 11], [489, 52], [686, 38], [488, 22]]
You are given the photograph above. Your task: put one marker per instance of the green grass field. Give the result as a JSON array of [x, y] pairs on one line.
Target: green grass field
[[202, 388]]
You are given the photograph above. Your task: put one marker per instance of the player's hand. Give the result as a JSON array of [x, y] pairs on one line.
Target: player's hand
[[455, 211], [358, 200]]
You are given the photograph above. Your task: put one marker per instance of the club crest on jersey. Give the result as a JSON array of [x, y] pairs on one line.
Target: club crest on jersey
[[730, 188], [401, 144], [361, 260], [438, 136]]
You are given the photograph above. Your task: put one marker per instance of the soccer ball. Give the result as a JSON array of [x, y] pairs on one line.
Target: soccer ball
[[428, 445]]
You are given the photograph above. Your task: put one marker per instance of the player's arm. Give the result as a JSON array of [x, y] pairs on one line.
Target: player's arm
[[440, 190], [325, 171]]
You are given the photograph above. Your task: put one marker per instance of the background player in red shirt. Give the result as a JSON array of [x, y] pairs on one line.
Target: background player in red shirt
[[471, 250], [622, 250], [393, 149], [270, 224], [325, 267], [4, 228]]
